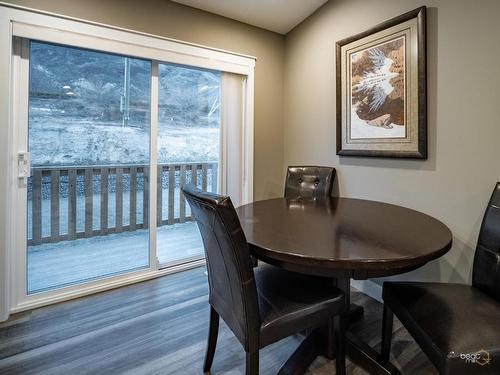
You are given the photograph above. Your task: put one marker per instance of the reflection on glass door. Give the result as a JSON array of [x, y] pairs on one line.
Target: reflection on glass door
[[89, 137], [188, 152]]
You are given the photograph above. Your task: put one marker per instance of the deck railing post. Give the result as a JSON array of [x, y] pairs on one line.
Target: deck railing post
[[133, 198], [204, 177], [171, 191], [104, 201], [72, 204], [36, 207], [194, 174], [159, 199], [145, 198], [214, 178], [54, 205], [89, 205], [119, 200], [182, 199]]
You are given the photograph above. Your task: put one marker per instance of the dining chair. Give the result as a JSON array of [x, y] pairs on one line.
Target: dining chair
[[456, 325], [261, 305], [309, 181]]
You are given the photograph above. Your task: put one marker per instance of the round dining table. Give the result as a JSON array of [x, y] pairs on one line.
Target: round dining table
[[344, 239]]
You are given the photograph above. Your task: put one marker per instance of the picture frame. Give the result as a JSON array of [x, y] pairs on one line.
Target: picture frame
[[381, 87]]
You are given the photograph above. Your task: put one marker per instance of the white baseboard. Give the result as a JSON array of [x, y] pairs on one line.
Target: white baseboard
[[368, 287], [4, 314]]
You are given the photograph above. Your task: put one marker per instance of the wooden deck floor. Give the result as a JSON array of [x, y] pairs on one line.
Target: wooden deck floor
[[160, 327], [68, 262]]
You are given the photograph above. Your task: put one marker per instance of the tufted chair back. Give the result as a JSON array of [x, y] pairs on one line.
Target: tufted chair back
[[309, 182], [232, 289], [486, 271]]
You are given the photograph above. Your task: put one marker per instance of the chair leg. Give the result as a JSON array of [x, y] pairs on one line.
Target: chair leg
[[340, 326], [213, 331], [252, 363], [331, 337], [387, 321], [254, 261]]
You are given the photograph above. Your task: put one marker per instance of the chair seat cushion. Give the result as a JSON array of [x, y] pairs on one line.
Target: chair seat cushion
[[454, 324], [290, 302]]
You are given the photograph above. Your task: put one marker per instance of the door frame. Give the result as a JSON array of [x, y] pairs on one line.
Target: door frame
[[32, 24]]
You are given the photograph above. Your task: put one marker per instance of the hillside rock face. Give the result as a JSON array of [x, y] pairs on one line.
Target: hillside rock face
[[78, 101]]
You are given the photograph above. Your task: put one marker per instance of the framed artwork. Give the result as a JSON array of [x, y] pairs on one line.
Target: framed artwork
[[381, 90]]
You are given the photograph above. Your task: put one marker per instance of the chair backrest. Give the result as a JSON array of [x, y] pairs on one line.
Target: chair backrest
[[309, 181], [232, 289], [486, 271]]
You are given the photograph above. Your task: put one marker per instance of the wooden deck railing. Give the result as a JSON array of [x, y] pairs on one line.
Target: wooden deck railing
[[110, 185]]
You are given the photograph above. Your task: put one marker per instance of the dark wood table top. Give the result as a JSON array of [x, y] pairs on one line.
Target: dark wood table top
[[342, 237]]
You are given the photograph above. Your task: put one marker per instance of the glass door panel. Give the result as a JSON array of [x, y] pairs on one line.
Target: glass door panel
[[188, 152], [89, 137]]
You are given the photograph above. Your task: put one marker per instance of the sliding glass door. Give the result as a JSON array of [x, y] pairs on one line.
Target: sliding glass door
[[89, 140], [188, 152], [88, 135]]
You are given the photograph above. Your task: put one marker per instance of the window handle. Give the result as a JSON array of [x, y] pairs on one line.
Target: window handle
[[24, 166]]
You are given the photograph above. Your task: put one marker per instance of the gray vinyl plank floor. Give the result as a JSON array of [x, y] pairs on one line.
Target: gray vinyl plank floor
[[160, 327]]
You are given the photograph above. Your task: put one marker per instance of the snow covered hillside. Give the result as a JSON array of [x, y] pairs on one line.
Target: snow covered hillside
[[77, 101]]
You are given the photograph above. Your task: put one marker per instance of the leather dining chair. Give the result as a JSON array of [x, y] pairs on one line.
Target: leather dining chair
[[260, 306], [309, 181], [457, 326]]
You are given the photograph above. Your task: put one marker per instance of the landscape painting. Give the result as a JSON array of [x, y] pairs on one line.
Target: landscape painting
[[378, 91], [381, 89]]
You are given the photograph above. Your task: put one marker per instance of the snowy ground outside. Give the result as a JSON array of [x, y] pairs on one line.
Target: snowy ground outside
[[69, 262], [62, 141]]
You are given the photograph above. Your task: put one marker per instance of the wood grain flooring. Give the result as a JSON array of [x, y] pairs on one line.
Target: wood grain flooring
[[53, 265], [160, 327]]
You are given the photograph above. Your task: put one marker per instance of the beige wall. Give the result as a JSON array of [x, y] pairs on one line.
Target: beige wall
[[456, 181], [172, 20]]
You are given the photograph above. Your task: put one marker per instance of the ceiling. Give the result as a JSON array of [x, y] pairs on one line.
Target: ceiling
[[279, 16]]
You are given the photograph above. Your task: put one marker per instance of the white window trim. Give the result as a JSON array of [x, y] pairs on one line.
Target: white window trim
[[49, 27], [41, 25]]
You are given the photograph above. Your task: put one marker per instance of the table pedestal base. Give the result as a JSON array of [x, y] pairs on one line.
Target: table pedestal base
[[358, 352]]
